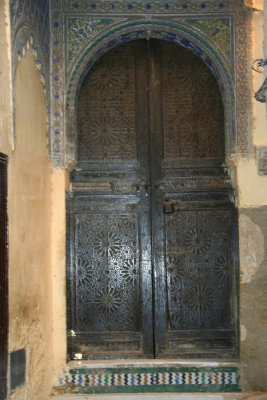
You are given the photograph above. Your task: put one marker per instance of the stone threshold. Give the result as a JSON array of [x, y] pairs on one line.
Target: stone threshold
[[167, 396], [148, 363], [147, 376]]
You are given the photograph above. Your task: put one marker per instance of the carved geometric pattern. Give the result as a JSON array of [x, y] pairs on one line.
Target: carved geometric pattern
[[193, 117], [106, 109], [107, 270], [197, 266], [81, 30], [218, 30], [57, 88], [153, 379]]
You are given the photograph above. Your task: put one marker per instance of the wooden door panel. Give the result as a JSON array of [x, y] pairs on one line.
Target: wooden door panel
[[192, 216], [192, 109], [110, 247], [197, 266], [199, 269], [196, 276], [106, 109], [111, 311], [108, 272]]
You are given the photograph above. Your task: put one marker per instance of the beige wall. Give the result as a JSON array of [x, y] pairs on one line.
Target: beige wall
[[58, 272], [252, 200], [29, 211], [5, 80], [252, 188]]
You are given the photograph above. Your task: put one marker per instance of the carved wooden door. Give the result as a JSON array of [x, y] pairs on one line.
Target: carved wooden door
[[151, 227]]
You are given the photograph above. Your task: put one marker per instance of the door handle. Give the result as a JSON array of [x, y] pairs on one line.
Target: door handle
[[172, 207], [168, 208], [140, 186]]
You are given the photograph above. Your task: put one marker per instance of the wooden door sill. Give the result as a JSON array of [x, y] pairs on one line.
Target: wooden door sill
[[148, 363]]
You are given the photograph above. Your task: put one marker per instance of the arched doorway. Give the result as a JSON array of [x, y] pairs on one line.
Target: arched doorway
[[152, 241]]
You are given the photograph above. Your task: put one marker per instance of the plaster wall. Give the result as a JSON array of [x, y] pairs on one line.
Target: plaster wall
[[252, 199], [251, 186], [5, 80], [253, 297], [29, 210], [58, 271]]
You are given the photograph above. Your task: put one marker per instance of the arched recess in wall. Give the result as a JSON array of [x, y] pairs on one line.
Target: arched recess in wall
[[25, 38], [152, 263], [178, 34]]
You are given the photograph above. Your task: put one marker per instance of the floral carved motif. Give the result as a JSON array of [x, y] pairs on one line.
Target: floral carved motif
[[107, 272], [106, 110], [218, 30], [197, 269], [80, 31]]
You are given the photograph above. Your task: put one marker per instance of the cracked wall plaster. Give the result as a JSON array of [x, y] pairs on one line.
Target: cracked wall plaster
[[251, 241]]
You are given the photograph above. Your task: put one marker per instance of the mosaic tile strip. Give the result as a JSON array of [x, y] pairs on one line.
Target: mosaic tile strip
[[151, 379], [80, 32], [155, 6], [217, 29]]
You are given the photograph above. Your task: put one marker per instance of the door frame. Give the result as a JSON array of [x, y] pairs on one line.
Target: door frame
[[3, 277], [171, 31], [226, 139]]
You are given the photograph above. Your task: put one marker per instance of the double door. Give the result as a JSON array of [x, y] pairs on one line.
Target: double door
[[151, 229]]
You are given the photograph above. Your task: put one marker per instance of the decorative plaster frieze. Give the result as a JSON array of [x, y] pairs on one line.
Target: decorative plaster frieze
[[243, 83], [90, 28], [217, 29], [141, 6], [57, 89], [30, 22], [81, 31]]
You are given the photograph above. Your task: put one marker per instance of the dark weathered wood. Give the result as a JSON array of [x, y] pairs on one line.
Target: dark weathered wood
[[192, 232], [3, 277], [152, 228], [156, 156], [109, 278]]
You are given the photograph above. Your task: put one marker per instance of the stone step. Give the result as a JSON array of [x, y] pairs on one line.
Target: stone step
[[167, 396], [133, 379]]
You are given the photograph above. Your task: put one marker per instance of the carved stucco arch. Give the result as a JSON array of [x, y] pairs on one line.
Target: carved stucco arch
[[25, 37], [139, 29]]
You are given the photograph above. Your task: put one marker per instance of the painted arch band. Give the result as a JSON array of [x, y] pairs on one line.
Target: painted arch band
[[178, 34]]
